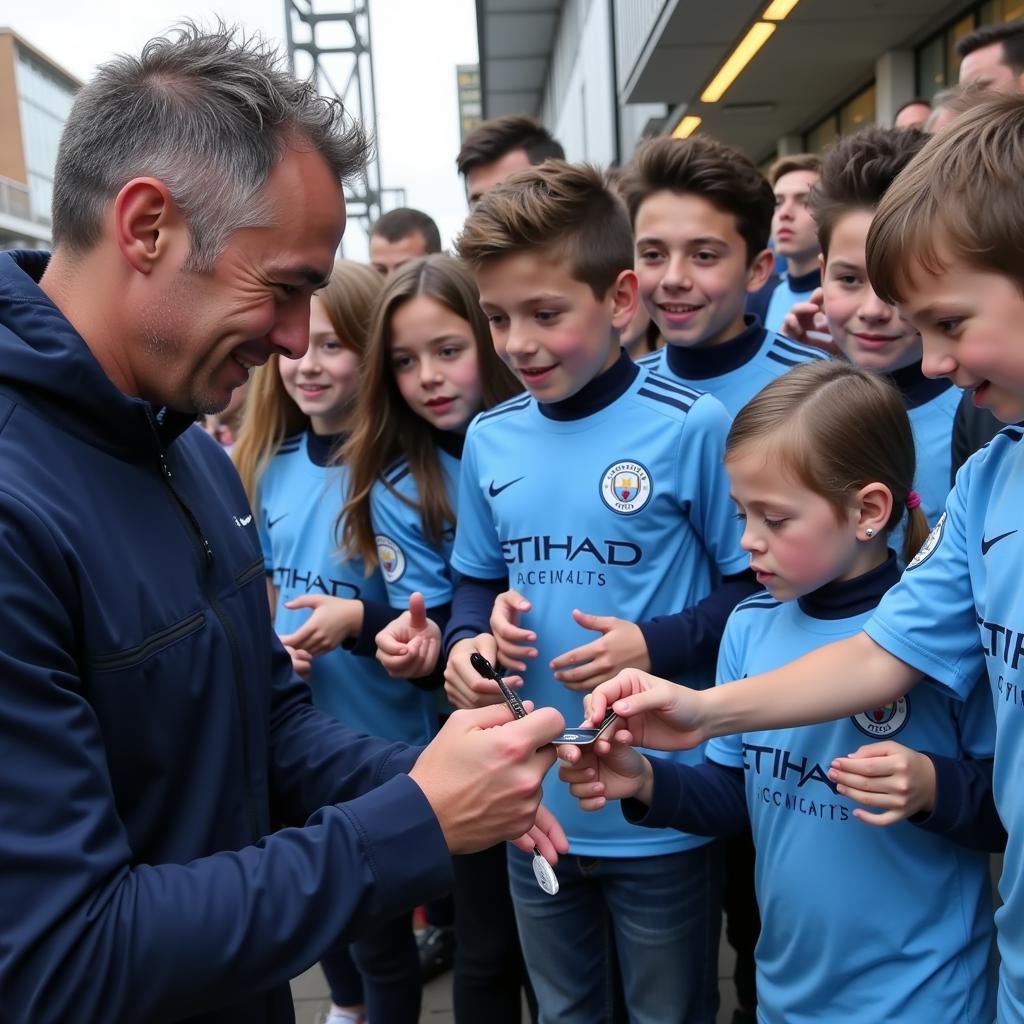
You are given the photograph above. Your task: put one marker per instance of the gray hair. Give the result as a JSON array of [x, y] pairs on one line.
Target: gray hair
[[208, 115]]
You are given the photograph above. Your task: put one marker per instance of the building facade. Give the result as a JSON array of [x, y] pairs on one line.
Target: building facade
[[602, 73], [35, 98]]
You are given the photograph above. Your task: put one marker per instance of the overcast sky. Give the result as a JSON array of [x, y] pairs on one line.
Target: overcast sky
[[416, 46]]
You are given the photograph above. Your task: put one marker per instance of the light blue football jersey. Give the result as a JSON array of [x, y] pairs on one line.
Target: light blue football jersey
[[735, 371], [789, 291], [931, 408], [299, 503], [408, 561], [623, 512], [957, 615], [859, 924]]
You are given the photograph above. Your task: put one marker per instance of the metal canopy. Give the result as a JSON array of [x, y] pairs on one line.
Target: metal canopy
[[515, 39]]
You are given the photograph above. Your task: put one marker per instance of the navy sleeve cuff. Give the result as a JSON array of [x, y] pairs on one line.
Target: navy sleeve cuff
[[391, 820], [471, 609], [376, 616], [964, 810], [705, 800], [690, 638]]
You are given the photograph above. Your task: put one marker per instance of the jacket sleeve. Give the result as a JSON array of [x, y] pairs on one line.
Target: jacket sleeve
[[89, 933]]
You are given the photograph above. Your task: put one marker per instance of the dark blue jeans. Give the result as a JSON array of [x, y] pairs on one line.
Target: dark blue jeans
[[382, 970], [665, 919]]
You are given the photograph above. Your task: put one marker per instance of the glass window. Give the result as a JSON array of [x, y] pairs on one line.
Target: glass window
[[931, 67], [955, 33], [822, 135], [858, 112]]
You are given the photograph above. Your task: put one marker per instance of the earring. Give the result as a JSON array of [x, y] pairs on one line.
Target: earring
[[870, 531]]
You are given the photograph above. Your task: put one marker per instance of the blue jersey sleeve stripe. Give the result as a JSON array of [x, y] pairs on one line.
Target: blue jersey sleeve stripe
[[399, 473], [784, 360], [685, 406], [656, 380], [751, 603], [511, 406], [797, 349]]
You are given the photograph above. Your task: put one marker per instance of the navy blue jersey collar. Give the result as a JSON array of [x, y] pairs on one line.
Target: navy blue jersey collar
[[320, 447], [845, 598], [450, 441], [805, 282], [915, 387], [705, 363], [596, 395]]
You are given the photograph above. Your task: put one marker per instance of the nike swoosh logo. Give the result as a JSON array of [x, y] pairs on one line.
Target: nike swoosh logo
[[271, 523], [495, 491], [986, 544]]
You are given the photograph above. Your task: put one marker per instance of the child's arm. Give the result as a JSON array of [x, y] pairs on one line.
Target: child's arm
[[665, 716], [665, 645], [951, 796], [707, 799]]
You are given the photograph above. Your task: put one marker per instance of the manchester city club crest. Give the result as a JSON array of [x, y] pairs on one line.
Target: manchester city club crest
[[930, 544], [391, 558], [626, 487], [884, 722]]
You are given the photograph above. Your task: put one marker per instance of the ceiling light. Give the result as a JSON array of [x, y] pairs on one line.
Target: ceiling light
[[686, 127], [758, 35]]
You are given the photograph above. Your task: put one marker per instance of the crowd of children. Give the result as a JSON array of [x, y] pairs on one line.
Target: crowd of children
[[608, 448]]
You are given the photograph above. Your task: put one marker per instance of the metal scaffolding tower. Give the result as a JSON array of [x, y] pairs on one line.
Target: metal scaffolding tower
[[329, 41]]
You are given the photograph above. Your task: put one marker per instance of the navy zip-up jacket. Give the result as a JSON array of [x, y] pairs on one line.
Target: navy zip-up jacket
[[152, 733]]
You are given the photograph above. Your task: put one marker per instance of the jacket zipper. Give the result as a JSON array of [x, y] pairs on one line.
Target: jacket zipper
[[236, 658], [149, 646]]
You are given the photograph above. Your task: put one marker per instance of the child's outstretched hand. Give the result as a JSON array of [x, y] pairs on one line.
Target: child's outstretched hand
[[894, 778], [621, 645], [655, 713], [408, 647], [333, 621], [612, 771], [302, 662], [514, 640]]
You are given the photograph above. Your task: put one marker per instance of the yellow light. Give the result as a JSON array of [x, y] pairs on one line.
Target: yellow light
[[758, 35], [686, 127], [778, 9]]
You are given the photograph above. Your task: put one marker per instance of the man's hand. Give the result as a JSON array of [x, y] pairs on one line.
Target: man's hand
[[514, 641], [465, 687], [605, 771], [333, 621], [482, 775], [655, 713], [890, 776], [621, 645], [408, 647]]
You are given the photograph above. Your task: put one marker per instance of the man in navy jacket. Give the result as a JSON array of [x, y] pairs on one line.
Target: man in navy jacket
[[180, 831]]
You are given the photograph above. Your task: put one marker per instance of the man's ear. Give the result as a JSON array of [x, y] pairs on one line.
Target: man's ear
[[625, 294], [760, 270], [147, 222]]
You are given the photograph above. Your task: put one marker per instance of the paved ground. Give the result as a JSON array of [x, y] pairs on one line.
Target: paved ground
[[311, 997]]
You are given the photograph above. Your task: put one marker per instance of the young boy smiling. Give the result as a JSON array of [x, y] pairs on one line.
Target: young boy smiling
[[702, 213], [945, 247], [581, 494]]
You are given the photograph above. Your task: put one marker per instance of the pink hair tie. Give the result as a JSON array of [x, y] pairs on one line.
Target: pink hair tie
[[913, 500]]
